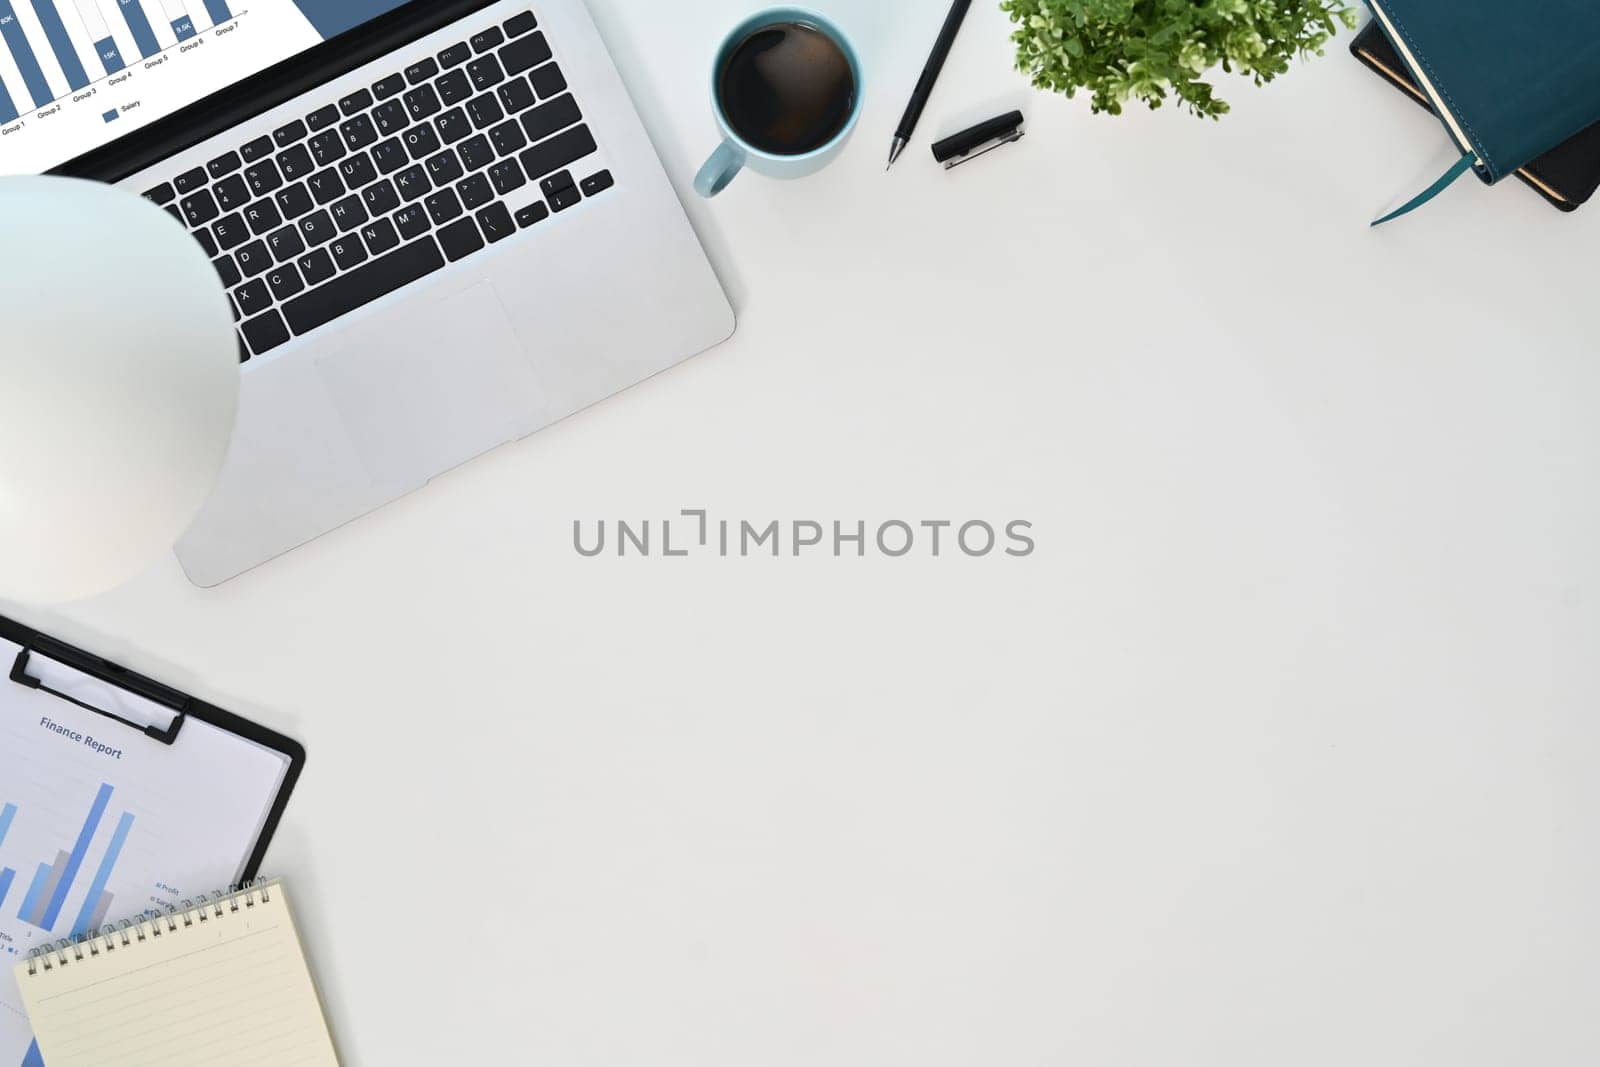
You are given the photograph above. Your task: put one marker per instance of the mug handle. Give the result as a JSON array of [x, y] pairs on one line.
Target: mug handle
[[723, 166]]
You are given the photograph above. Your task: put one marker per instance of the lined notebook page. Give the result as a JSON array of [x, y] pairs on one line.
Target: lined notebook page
[[229, 990]]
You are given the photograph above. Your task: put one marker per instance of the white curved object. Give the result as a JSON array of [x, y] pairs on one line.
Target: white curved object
[[119, 384]]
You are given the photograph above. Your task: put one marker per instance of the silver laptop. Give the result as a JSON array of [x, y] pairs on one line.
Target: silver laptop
[[441, 224]]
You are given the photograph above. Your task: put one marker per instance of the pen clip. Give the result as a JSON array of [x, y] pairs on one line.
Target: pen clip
[[998, 142]]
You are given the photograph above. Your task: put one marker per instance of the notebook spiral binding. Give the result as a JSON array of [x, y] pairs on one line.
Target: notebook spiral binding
[[152, 924]]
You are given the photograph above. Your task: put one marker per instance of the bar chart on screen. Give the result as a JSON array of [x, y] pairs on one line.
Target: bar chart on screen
[[69, 68]]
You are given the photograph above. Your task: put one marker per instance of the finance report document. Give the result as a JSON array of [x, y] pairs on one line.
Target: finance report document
[[76, 74], [100, 823]]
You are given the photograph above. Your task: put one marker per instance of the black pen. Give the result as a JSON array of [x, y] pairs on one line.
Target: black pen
[[930, 74]]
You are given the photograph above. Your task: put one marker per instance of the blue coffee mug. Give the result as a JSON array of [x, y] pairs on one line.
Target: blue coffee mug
[[735, 153]]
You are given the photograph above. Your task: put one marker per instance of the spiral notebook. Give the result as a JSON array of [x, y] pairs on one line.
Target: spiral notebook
[[223, 983]]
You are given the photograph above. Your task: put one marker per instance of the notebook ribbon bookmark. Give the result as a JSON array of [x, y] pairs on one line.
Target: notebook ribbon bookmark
[[1462, 165]]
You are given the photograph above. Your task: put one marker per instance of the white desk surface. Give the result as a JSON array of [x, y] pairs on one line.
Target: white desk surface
[[1280, 749]]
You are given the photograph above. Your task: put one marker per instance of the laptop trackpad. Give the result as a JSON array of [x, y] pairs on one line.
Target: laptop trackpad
[[430, 388]]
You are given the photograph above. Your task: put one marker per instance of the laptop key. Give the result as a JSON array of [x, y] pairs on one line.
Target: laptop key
[[475, 191], [517, 25], [546, 119], [390, 155], [381, 198], [263, 216], [263, 177], [517, 95], [253, 259], [393, 85], [562, 150], [548, 81], [286, 243], [359, 133], [161, 194], [231, 193], [490, 38], [224, 165], [228, 272], [533, 213], [295, 162], [485, 72], [327, 147], [349, 213], [294, 201], [597, 183], [412, 183], [443, 206], [525, 53], [508, 137], [284, 136], [200, 208], [284, 281], [260, 148], [495, 222], [444, 168], [356, 102], [189, 180], [564, 198], [455, 55], [460, 239], [453, 87], [412, 221], [557, 183], [475, 152], [348, 252], [326, 186], [252, 298], [485, 111], [316, 266], [265, 332], [358, 171], [207, 242], [231, 231], [421, 71], [317, 229], [322, 118], [507, 176], [321, 305], [421, 141], [453, 125], [422, 102], [380, 236], [391, 117]]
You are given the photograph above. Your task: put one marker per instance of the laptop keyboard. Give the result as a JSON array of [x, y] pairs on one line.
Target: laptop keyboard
[[379, 189]]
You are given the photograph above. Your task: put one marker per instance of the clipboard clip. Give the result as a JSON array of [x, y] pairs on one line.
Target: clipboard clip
[[101, 687]]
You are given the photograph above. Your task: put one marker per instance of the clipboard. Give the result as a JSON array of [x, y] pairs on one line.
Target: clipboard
[[112, 727], [124, 698]]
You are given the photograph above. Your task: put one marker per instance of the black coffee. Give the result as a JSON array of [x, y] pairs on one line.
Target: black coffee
[[787, 89]]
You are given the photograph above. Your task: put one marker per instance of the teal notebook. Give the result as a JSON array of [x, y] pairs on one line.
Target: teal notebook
[[1510, 81]]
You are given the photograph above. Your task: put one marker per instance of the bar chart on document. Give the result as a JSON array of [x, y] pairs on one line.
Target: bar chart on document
[[77, 73], [75, 855]]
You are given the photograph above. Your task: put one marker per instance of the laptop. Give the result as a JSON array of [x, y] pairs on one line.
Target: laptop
[[441, 225]]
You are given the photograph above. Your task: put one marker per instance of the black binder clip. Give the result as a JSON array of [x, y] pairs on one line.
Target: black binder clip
[[980, 140], [97, 686]]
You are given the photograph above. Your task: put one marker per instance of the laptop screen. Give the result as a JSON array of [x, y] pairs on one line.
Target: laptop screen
[[78, 74]]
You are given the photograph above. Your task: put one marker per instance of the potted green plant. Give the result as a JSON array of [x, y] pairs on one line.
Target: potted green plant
[[1148, 50]]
